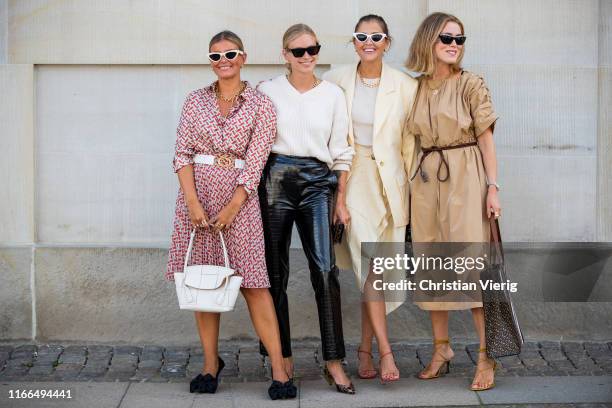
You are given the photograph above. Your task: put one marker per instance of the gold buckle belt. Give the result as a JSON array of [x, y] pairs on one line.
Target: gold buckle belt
[[223, 160]]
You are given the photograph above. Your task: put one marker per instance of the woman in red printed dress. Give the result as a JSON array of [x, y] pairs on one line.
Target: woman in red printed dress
[[224, 137]]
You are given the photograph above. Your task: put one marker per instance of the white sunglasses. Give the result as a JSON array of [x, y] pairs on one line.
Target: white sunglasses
[[228, 55], [375, 37]]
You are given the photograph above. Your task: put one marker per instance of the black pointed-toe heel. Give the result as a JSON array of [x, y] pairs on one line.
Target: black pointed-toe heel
[[194, 385], [344, 389], [206, 384], [291, 389], [276, 390], [282, 390]]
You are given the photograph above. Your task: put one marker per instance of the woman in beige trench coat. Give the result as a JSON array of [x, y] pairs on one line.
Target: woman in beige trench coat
[[454, 188], [379, 99]]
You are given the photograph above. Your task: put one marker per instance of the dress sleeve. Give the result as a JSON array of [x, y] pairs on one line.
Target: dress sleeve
[[410, 145], [185, 136], [481, 106], [259, 147], [409, 150], [341, 152]]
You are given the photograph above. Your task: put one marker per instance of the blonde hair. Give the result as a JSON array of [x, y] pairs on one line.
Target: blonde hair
[[421, 56], [226, 35], [294, 32]]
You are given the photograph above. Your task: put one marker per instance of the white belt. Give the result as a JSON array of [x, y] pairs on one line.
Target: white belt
[[222, 160]]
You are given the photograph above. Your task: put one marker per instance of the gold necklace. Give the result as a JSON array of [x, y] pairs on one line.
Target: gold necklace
[[316, 82], [232, 98]]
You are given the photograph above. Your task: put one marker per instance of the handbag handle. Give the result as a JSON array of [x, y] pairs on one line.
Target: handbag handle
[[188, 254], [496, 236]]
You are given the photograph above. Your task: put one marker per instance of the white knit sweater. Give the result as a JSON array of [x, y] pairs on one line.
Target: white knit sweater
[[311, 124]]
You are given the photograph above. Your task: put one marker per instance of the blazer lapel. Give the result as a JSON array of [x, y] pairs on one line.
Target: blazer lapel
[[383, 104]]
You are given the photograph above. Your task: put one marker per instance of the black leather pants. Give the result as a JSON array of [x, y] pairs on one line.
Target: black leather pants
[[301, 190]]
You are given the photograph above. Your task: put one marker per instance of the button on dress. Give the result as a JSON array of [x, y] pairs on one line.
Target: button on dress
[[246, 133], [447, 113]]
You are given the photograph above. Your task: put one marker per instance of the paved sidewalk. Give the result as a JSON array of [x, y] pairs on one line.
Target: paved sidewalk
[[570, 373]]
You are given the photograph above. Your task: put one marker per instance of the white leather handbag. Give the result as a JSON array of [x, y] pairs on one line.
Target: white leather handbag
[[207, 288]]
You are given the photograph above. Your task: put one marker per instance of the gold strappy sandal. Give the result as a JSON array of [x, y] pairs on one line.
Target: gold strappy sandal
[[493, 367], [444, 368]]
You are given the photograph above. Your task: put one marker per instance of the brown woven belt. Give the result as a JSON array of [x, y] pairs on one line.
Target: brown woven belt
[[443, 161]]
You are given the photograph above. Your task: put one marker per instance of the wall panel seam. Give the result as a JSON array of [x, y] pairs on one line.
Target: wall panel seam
[[33, 290]]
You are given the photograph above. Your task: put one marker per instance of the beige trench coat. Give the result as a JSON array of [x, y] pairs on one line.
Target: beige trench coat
[[386, 215]]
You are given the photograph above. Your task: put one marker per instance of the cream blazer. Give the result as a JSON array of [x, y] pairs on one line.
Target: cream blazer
[[393, 147]]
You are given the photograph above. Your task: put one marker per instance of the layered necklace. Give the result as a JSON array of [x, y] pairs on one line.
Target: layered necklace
[[232, 98], [372, 83]]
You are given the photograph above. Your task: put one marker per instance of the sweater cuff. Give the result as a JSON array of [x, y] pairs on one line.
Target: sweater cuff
[[341, 167]]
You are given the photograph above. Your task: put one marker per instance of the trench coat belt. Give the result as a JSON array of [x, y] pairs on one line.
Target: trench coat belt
[[443, 162]]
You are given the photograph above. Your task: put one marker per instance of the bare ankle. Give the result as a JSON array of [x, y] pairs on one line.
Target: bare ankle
[[444, 349], [211, 369], [334, 365], [367, 347]]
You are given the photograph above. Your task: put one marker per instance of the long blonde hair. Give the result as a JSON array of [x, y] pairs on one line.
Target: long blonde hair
[[294, 32], [421, 56]]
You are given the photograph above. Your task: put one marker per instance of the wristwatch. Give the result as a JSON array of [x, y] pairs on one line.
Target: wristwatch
[[492, 183]]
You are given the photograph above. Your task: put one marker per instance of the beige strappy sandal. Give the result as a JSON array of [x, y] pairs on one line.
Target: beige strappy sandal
[[493, 367], [444, 368]]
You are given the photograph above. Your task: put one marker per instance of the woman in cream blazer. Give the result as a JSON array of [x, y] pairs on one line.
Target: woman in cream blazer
[[379, 98]]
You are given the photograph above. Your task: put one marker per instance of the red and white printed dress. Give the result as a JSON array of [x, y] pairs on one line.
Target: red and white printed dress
[[248, 133]]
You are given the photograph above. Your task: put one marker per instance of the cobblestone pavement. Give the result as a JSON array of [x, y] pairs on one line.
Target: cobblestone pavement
[[56, 362]]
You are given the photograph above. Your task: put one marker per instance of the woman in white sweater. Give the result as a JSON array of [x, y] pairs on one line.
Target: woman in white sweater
[[308, 166]]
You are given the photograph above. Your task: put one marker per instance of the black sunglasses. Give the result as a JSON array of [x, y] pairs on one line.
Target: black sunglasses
[[299, 52], [448, 39]]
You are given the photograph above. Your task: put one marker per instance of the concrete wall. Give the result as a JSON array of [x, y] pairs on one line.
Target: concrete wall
[[177, 31], [604, 202], [125, 299], [92, 97], [3, 31]]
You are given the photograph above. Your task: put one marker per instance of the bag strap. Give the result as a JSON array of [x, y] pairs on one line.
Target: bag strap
[[496, 236], [188, 254]]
